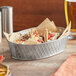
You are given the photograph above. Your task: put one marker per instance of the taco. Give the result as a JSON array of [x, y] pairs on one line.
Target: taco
[[46, 24]]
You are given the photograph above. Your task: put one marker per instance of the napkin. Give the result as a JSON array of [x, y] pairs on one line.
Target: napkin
[[68, 68]]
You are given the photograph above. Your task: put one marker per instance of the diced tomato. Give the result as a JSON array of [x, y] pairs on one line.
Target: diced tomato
[[36, 34], [39, 40], [52, 35], [48, 36], [23, 40], [1, 59]]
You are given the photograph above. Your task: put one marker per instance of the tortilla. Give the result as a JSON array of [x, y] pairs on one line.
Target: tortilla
[[30, 41], [7, 35], [66, 31], [46, 24], [31, 32], [12, 37], [46, 35], [38, 34]]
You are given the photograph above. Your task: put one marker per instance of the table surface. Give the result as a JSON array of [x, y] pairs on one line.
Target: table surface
[[43, 67]]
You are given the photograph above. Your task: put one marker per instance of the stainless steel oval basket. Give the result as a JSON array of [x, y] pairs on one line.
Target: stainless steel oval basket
[[37, 51]]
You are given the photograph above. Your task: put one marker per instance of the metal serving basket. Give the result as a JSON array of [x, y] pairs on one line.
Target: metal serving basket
[[37, 51]]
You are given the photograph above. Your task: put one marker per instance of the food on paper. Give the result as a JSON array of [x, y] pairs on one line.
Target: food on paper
[[45, 32], [68, 68], [4, 70]]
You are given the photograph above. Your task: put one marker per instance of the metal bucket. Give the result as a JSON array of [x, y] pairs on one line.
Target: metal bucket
[[37, 51]]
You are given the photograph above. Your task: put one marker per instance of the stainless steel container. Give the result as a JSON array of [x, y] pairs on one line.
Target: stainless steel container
[[7, 18], [37, 51], [0, 28]]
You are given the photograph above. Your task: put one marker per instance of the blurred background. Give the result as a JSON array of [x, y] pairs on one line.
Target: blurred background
[[30, 13]]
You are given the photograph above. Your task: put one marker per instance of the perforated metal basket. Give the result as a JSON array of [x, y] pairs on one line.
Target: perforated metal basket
[[37, 51]]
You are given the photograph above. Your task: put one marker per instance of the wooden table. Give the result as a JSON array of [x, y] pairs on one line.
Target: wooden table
[[43, 67]]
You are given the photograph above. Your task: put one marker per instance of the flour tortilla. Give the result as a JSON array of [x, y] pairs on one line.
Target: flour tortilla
[[31, 32], [30, 41], [12, 37], [46, 35], [46, 24], [66, 31], [7, 35]]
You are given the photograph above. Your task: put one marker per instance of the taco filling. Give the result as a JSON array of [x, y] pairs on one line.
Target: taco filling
[[45, 32]]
